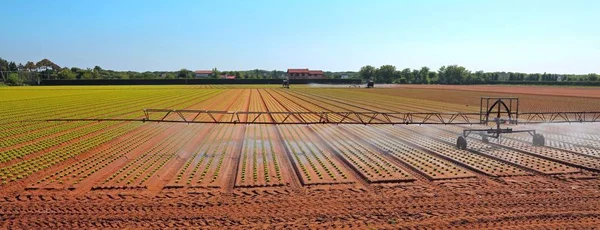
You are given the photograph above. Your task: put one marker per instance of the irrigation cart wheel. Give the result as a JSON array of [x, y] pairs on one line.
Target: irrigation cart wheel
[[461, 142], [485, 139], [539, 140]]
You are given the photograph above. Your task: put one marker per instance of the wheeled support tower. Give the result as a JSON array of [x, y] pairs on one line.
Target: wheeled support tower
[[370, 84], [286, 83], [486, 110]]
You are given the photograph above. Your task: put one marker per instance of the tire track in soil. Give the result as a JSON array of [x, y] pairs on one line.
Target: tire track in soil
[[447, 210]]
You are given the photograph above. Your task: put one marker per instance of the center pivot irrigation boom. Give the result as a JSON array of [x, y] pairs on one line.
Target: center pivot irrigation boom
[[496, 110]]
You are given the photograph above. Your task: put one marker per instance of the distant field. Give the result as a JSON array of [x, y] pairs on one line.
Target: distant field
[[329, 175], [575, 91]]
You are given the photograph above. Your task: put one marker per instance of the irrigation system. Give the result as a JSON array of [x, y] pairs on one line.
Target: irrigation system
[[498, 111]]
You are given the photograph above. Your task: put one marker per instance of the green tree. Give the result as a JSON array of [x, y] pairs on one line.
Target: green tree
[[183, 73], [453, 74], [416, 78], [273, 74], [367, 72], [66, 74], [14, 79], [30, 66], [215, 73], [406, 74], [45, 64], [12, 66], [86, 74], [148, 75], [424, 75], [98, 72], [433, 77], [170, 76], [3, 67], [386, 73]]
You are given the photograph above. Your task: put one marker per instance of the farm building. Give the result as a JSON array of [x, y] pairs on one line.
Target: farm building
[[305, 74], [202, 73], [227, 77]]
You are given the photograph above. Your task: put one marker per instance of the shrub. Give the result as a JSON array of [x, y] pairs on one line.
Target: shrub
[[14, 79]]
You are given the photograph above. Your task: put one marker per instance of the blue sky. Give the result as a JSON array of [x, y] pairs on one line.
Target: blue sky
[[556, 36]]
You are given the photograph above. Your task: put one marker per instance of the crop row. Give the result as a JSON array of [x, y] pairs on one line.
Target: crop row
[[142, 168], [299, 105], [35, 147], [369, 163], [80, 170], [518, 158], [46, 143], [131, 108], [26, 168], [485, 165], [204, 167], [259, 164], [423, 162], [522, 142], [10, 141], [314, 165], [580, 131]]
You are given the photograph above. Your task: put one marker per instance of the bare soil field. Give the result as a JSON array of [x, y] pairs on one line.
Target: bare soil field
[[131, 174], [517, 89]]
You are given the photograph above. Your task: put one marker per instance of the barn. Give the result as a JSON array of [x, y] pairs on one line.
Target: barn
[[305, 74]]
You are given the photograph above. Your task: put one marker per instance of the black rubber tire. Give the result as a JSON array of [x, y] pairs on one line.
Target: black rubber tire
[[485, 139], [461, 142], [539, 140]]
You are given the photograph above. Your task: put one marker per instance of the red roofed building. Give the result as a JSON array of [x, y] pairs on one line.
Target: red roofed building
[[202, 73], [305, 74], [227, 77]]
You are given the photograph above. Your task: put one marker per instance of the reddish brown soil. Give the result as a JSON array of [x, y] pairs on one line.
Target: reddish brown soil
[[593, 92], [569, 200], [531, 202]]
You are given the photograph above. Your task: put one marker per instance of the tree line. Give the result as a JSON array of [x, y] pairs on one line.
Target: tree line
[[454, 74], [17, 73]]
